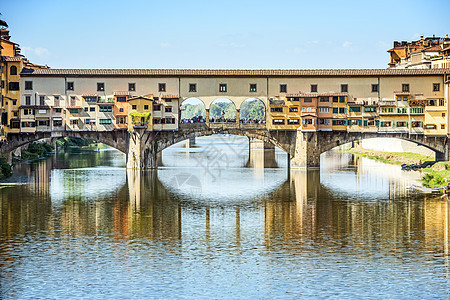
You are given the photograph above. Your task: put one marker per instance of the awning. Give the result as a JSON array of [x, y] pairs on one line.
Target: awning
[[73, 119], [42, 118], [57, 119]]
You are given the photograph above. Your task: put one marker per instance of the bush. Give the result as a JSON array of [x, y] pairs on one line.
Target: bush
[[5, 168], [36, 150]]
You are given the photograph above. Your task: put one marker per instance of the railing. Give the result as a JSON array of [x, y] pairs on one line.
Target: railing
[[140, 124]]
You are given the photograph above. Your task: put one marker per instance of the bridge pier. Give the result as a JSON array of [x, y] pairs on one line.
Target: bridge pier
[[190, 142], [142, 151], [307, 151]]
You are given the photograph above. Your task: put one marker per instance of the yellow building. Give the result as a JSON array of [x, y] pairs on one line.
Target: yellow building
[[140, 112], [339, 122]]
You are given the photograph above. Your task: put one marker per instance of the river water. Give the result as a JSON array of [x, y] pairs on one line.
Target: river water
[[212, 222]]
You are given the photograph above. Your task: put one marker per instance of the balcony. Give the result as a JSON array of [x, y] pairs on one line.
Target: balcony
[[105, 101], [139, 125], [386, 103]]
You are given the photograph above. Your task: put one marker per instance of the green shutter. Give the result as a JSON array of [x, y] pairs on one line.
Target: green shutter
[[377, 122], [365, 122], [335, 110], [333, 122], [360, 122]]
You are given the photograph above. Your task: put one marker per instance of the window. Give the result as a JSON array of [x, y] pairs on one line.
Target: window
[[432, 103], [342, 99], [92, 108], [324, 99], [58, 110], [86, 108], [374, 88], [307, 121], [134, 107], [405, 98], [309, 100], [121, 109], [386, 123], [342, 110], [70, 86], [222, 87], [293, 99], [170, 120], [28, 124], [56, 100], [324, 109], [16, 113], [441, 102], [399, 98], [278, 121], [57, 123], [145, 107], [161, 87], [402, 124], [27, 100], [156, 107], [405, 87], [402, 110], [416, 110], [73, 122], [293, 109], [442, 126], [443, 115], [168, 109], [105, 108], [252, 87], [100, 86], [122, 99], [354, 109], [416, 124], [13, 86], [335, 99], [41, 100], [283, 88], [436, 87], [132, 87], [276, 109], [340, 122], [370, 109], [192, 87], [28, 111], [73, 110], [344, 88], [387, 110], [313, 88], [14, 102], [28, 85], [105, 121], [429, 126], [323, 121], [335, 110], [13, 70], [90, 99], [293, 121]]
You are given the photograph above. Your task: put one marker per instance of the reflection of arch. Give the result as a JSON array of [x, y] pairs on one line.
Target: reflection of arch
[[222, 110], [252, 109], [192, 108]]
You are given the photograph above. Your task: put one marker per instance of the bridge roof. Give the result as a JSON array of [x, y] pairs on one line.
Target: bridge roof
[[230, 73]]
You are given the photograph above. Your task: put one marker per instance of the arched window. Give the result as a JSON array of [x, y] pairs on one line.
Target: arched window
[[13, 70]]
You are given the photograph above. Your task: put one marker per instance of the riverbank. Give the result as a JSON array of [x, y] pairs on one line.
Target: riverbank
[[396, 158], [436, 176]]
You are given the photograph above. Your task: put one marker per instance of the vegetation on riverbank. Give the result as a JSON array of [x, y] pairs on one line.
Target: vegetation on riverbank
[[65, 142], [397, 158], [37, 150], [5, 168], [437, 176]]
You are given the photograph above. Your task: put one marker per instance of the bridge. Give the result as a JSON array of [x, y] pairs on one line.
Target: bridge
[[142, 147]]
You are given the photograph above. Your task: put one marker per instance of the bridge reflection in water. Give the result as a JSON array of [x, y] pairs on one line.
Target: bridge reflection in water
[[355, 210]]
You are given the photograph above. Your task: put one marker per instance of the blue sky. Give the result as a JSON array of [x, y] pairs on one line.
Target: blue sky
[[242, 34]]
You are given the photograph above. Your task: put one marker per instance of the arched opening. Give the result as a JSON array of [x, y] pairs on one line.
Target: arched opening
[[252, 111], [13, 70], [193, 111], [222, 110]]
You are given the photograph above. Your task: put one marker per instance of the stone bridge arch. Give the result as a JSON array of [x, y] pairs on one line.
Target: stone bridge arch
[[117, 139]]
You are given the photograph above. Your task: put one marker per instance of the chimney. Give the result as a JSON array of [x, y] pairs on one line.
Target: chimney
[[433, 36], [421, 37]]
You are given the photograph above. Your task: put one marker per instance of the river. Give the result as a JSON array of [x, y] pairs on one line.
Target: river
[[212, 222]]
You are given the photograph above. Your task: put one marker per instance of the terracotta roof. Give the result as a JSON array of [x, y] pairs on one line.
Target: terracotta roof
[[11, 58], [170, 97], [121, 93], [402, 93], [89, 95], [237, 73], [140, 97]]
